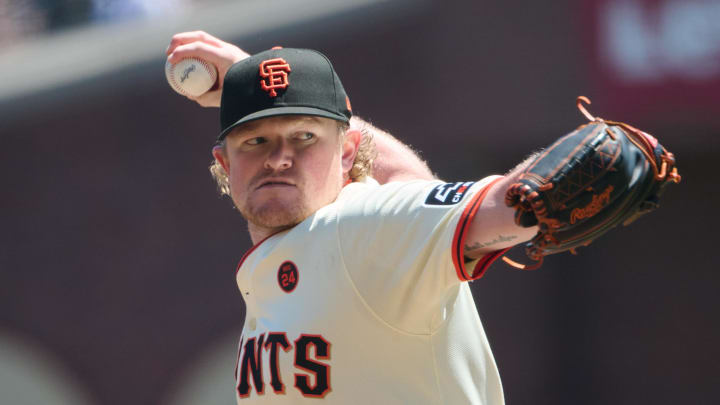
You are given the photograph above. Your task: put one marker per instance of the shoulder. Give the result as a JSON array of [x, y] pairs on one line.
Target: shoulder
[[369, 197], [432, 194], [371, 186]]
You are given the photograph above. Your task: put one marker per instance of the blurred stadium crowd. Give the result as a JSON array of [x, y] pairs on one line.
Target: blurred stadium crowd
[[23, 19]]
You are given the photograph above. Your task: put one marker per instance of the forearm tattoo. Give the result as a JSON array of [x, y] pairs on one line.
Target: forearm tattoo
[[499, 239]]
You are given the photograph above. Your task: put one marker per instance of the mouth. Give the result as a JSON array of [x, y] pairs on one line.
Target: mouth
[[273, 183]]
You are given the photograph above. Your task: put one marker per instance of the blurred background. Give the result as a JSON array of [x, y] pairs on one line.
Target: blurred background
[[117, 256]]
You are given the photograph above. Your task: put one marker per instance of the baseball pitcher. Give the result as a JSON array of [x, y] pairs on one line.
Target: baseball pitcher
[[356, 287]]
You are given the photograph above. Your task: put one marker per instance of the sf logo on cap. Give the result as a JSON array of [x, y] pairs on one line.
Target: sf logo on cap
[[274, 73]]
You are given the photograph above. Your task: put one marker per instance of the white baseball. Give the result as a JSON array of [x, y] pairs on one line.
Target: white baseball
[[191, 76]]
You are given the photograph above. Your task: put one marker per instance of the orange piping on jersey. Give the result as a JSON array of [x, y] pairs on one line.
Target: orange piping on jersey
[[486, 261], [458, 245], [242, 259]]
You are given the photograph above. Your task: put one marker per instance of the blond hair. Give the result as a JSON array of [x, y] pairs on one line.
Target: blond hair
[[362, 165]]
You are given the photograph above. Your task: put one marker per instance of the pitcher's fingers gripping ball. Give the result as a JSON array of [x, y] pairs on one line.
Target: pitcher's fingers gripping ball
[[191, 76], [600, 175]]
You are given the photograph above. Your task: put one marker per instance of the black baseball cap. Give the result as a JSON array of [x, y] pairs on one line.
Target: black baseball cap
[[282, 81]]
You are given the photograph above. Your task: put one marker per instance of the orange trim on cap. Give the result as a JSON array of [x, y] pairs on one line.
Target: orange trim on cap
[[458, 245]]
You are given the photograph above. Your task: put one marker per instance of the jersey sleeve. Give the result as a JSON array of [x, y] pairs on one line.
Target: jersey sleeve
[[403, 245]]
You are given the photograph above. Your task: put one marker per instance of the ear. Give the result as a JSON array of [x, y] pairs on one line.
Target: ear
[[218, 153], [350, 148]]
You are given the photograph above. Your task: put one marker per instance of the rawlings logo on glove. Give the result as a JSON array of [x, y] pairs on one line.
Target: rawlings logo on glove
[[597, 203]]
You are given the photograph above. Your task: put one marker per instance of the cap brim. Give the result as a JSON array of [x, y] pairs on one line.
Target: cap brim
[[275, 111]]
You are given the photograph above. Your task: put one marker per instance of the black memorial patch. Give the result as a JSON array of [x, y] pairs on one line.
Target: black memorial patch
[[448, 193], [288, 276]]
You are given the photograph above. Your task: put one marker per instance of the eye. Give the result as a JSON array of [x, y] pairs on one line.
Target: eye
[[305, 136], [255, 141]]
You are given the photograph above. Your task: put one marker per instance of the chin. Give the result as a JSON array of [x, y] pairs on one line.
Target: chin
[[269, 215]]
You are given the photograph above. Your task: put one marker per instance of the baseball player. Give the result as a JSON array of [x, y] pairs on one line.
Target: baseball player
[[355, 288]]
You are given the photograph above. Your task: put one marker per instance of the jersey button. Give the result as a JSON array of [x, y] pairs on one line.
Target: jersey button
[[252, 324]]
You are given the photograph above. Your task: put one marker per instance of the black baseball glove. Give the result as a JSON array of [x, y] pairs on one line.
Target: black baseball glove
[[587, 182]]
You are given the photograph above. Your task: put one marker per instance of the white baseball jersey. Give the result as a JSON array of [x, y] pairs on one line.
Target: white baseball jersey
[[364, 303]]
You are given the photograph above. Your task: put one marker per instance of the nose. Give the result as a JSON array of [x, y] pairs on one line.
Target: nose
[[280, 156]]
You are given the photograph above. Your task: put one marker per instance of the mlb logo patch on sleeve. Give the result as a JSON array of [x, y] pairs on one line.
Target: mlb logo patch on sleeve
[[448, 193]]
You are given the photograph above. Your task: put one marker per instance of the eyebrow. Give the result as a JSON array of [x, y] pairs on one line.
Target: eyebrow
[[249, 126]]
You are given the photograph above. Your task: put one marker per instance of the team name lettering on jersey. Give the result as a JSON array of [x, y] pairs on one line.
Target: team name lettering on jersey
[[448, 193], [313, 378]]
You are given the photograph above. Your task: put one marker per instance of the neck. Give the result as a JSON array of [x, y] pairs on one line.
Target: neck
[[259, 233]]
